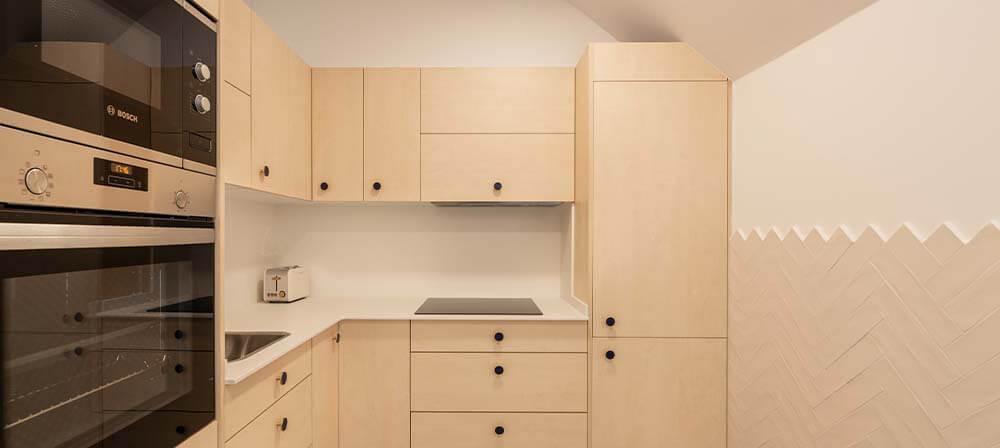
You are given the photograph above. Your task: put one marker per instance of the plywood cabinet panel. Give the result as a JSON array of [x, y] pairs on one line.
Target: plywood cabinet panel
[[392, 134], [496, 100], [660, 208], [659, 393], [498, 336], [478, 430], [650, 61], [375, 384], [325, 389], [286, 424], [299, 119], [235, 156], [338, 134], [235, 31], [245, 400], [502, 382], [469, 167]]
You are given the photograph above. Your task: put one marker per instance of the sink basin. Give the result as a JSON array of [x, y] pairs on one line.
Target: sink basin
[[242, 345]]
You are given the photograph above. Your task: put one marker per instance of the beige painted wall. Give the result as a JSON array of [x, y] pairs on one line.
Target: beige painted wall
[[469, 33], [889, 117]]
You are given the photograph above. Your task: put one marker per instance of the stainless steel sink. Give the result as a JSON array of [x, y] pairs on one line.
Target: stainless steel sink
[[242, 345]]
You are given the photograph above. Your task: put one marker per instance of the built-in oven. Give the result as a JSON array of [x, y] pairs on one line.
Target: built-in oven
[[131, 76], [107, 325]]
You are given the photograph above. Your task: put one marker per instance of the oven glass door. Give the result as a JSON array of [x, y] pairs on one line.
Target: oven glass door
[[107, 346], [110, 67]]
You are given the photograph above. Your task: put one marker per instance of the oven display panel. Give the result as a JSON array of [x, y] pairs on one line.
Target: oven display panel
[[120, 175]]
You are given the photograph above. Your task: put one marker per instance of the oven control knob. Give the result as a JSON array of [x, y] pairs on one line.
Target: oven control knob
[[202, 104], [202, 72], [181, 199], [36, 180]]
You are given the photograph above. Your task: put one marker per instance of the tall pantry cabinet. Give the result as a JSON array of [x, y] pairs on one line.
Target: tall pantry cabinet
[[651, 223]]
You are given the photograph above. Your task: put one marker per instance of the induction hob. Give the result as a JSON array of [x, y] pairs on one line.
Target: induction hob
[[479, 306]]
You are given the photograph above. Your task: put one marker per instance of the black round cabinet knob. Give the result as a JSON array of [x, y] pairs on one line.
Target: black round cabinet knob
[[498, 430], [78, 317], [179, 368], [266, 171], [498, 370], [78, 351], [180, 429], [284, 423], [377, 186], [609, 321], [498, 336], [284, 378], [178, 334], [609, 354], [497, 186], [324, 186]]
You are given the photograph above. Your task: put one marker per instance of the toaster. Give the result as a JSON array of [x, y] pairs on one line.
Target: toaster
[[286, 284]]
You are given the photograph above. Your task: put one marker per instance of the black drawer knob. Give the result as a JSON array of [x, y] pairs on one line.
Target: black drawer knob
[[78, 317], [498, 430], [377, 186], [180, 429], [283, 378], [497, 186], [78, 351], [498, 336], [609, 354], [266, 171], [284, 423], [324, 186], [609, 321], [179, 368], [498, 370], [178, 334]]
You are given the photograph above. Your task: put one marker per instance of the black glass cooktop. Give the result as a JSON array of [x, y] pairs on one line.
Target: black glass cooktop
[[479, 306]]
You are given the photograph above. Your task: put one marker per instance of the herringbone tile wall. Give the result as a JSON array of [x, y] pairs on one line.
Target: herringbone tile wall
[[866, 343]]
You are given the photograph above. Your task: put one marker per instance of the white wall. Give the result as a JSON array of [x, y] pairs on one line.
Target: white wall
[[889, 117], [398, 250], [409, 33]]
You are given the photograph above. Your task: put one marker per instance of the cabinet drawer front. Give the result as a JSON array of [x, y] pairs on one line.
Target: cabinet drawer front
[[498, 336], [541, 382], [479, 430], [529, 167], [294, 410], [496, 100], [247, 399]]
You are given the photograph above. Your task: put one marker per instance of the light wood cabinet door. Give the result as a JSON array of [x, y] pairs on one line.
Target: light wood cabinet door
[[375, 384], [269, 106], [392, 134], [498, 336], [658, 393], [299, 118], [338, 134], [479, 430], [235, 30], [245, 400], [325, 388], [496, 167], [660, 208], [234, 131], [496, 100], [286, 424]]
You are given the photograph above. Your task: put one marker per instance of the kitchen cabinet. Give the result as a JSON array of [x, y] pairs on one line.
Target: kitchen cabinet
[[286, 424], [234, 44], [375, 380], [496, 100], [247, 399], [325, 388], [234, 135], [497, 167], [489, 430], [658, 392], [281, 124], [392, 134], [337, 134], [498, 336]]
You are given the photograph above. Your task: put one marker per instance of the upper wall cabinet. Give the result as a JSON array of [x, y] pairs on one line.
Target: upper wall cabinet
[[392, 134], [281, 101], [337, 134], [496, 100], [235, 37]]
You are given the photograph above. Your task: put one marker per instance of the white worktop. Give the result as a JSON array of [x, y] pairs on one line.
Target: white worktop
[[307, 318]]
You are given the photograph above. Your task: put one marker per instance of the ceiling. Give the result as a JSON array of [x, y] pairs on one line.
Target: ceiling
[[736, 35]]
